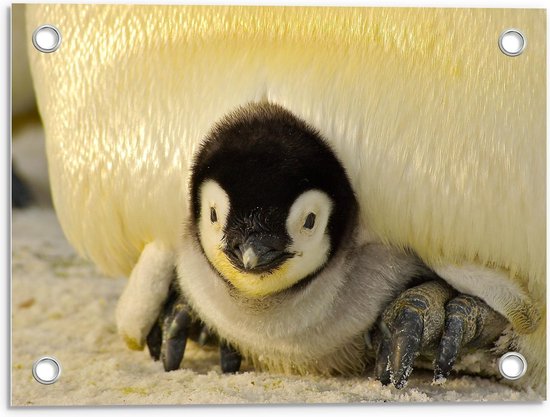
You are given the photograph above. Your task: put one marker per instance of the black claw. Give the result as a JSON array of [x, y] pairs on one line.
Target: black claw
[[230, 359], [176, 331], [405, 345], [381, 369], [176, 324], [431, 316], [154, 341], [449, 347]]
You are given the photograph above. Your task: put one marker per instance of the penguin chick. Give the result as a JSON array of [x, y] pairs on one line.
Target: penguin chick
[[271, 260]]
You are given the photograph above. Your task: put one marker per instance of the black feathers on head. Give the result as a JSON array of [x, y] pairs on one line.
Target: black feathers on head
[[264, 157]]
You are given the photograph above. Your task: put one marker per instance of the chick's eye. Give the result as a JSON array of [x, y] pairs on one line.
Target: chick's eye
[[310, 221], [213, 215]]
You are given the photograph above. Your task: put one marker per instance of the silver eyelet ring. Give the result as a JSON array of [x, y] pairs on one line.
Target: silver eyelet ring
[[512, 42], [46, 370], [46, 38], [512, 365]]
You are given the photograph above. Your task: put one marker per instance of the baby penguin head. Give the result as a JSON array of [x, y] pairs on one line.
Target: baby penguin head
[[271, 203]]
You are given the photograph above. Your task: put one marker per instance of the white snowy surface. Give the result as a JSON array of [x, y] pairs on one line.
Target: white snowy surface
[[63, 307]]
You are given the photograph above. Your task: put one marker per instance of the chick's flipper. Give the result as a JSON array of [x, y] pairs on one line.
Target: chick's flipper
[[427, 318]]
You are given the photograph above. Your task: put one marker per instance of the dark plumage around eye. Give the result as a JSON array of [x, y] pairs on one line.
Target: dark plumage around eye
[[213, 215], [310, 221]]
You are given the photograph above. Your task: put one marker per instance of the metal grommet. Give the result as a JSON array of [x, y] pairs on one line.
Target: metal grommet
[[512, 42], [46, 38], [46, 370], [512, 365]]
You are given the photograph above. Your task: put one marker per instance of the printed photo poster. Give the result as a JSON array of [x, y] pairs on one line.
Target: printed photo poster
[[272, 205]]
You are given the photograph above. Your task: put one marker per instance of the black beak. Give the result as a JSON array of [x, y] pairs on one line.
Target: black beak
[[259, 253]]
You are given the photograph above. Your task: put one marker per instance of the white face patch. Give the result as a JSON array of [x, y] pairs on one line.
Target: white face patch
[[306, 225], [214, 204]]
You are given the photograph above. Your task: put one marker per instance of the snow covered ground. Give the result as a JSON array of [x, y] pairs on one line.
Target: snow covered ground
[[63, 307]]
